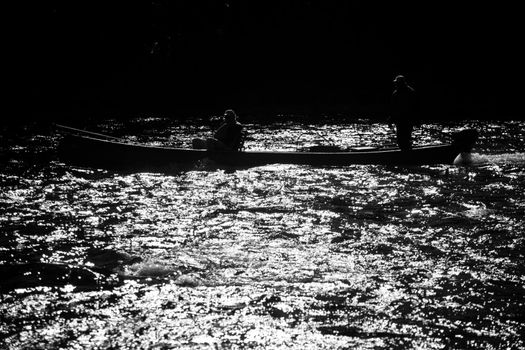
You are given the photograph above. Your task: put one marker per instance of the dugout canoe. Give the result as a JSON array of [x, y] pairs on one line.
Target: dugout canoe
[[93, 150]]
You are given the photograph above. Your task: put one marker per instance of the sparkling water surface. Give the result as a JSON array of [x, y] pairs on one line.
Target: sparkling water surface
[[276, 256]]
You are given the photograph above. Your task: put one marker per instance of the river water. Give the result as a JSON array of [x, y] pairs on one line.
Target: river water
[[277, 256]]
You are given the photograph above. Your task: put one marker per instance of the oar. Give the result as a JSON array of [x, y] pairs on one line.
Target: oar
[[69, 129], [330, 143]]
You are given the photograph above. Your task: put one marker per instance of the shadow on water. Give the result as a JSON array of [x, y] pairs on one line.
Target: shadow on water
[[92, 171]]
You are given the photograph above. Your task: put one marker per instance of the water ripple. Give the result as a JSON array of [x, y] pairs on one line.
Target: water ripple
[[277, 256]]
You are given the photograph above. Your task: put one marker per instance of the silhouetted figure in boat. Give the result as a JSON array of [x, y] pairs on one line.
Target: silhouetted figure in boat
[[228, 137], [403, 112]]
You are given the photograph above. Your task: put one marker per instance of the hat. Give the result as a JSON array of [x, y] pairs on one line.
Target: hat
[[230, 113], [399, 79]]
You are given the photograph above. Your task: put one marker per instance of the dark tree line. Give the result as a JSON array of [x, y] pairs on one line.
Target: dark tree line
[[306, 56]]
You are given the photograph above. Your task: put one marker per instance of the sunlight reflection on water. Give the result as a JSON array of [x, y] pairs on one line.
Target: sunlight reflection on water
[[273, 256]]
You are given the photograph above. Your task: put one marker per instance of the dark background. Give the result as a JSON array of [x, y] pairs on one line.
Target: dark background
[[268, 57]]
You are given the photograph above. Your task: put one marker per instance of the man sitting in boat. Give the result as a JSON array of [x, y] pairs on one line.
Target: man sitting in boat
[[227, 137], [403, 112]]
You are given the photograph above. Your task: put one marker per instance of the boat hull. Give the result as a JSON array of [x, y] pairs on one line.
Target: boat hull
[[418, 156], [91, 151]]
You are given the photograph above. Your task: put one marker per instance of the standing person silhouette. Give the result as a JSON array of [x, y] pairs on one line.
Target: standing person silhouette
[[403, 112]]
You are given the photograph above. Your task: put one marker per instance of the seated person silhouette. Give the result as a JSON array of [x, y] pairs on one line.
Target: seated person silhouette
[[227, 137]]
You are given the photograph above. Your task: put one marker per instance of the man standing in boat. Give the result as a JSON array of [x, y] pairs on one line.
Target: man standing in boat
[[227, 137], [403, 112]]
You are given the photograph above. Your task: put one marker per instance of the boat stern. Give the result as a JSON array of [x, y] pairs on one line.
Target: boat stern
[[464, 140]]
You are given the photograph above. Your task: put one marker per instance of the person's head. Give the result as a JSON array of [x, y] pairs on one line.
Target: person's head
[[230, 116], [400, 81]]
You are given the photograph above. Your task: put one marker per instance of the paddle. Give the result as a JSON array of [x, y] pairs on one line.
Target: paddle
[[70, 130], [330, 146]]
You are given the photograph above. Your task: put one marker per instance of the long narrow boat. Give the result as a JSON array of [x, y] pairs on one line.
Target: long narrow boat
[[105, 151]]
